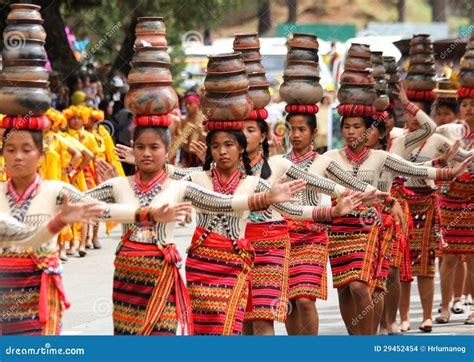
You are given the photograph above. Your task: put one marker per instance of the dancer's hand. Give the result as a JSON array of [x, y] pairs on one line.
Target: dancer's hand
[[460, 168], [283, 191], [124, 154], [450, 152], [79, 212], [199, 149], [399, 217], [347, 202], [167, 213], [104, 170]]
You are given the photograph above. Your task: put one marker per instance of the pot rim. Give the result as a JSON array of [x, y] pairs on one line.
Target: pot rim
[[24, 21], [153, 47], [213, 94], [149, 18], [154, 84], [23, 63], [25, 6], [305, 34], [227, 72], [253, 60], [33, 41], [259, 85], [358, 85], [303, 62], [301, 77], [238, 48], [41, 84], [232, 55], [158, 64]]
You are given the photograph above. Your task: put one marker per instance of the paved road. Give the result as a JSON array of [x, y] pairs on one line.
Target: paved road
[[88, 283]]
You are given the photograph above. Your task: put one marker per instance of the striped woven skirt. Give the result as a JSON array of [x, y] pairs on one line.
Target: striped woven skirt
[[31, 294], [271, 243], [353, 248], [218, 278], [308, 261], [148, 293], [457, 217]]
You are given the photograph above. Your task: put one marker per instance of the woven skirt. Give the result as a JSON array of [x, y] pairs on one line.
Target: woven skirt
[[354, 249], [218, 278], [271, 243], [144, 293], [308, 261], [457, 217], [31, 300]]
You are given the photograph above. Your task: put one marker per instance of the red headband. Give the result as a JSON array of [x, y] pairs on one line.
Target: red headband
[[302, 108], [380, 116], [416, 95], [192, 98], [356, 110], [37, 123], [152, 121], [391, 105], [225, 125], [261, 113], [465, 92]]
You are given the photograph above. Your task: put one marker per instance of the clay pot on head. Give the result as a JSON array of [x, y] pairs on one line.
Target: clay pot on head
[[152, 54], [469, 53], [356, 94], [421, 49], [466, 77], [257, 78], [260, 96], [381, 103], [357, 77], [295, 53], [151, 98], [246, 40], [150, 25], [376, 57], [155, 40], [393, 77], [467, 63], [250, 54], [378, 70], [23, 98], [420, 39], [149, 72], [390, 64], [20, 32], [357, 63], [301, 90], [254, 66], [391, 88], [381, 86], [301, 40], [230, 106], [302, 68], [359, 50], [16, 70], [27, 49], [23, 13], [420, 81], [225, 63], [429, 69], [226, 82]]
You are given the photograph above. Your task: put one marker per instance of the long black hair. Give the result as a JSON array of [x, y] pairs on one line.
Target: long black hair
[[266, 170], [241, 140], [35, 134]]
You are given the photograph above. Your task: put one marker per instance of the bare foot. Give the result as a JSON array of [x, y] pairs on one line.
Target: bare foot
[[395, 329], [405, 326]]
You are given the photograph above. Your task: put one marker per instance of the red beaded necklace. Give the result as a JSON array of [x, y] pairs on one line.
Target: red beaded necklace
[[160, 178], [356, 159], [226, 188]]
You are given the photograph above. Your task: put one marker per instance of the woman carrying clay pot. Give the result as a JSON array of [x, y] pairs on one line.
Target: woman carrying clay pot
[[353, 240]]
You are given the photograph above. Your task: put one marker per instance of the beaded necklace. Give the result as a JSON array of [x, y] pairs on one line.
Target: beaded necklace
[[356, 159], [147, 192], [303, 161], [226, 188], [19, 204]]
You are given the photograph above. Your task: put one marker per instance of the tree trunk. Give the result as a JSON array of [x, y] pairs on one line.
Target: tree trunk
[[57, 45], [401, 11], [264, 16], [122, 61], [439, 10], [292, 10]]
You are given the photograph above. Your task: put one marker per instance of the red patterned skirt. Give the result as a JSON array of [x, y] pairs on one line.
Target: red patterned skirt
[[271, 243], [149, 295], [32, 296], [218, 277], [457, 217], [308, 261], [354, 248]]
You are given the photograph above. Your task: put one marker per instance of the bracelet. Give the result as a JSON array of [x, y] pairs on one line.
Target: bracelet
[[411, 108], [322, 214], [56, 224], [444, 174], [258, 201]]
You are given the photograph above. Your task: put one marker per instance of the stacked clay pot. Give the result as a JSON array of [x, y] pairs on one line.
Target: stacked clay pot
[[392, 76], [421, 74], [151, 91], [301, 75], [357, 84], [378, 72], [226, 89], [24, 86], [248, 45], [466, 74]]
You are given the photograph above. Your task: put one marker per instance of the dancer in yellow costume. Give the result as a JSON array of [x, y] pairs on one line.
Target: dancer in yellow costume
[[76, 117]]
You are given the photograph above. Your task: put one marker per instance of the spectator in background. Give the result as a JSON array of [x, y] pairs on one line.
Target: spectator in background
[[78, 97], [123, 120], [59, 92]]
